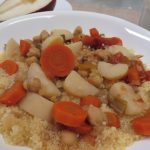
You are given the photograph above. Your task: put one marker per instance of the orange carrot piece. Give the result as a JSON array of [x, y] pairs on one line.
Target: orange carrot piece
[[69, 114], [147, 114], [118, 58], [13, 95], [9, 66], [83, 129], [141, 125], [90, 100], [133, 76], [57, 61], [88, 40], [99, 42], [140, 68], [112, 119], [94, 32], [147, 75], [24, 47], [111, 41]]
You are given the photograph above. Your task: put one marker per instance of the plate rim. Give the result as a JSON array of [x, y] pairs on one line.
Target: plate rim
[[74, 12]]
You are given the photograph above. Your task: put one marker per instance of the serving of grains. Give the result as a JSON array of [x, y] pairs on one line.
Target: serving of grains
[[96, 67]]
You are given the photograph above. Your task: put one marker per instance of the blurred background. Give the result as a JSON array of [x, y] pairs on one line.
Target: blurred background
[[136, 11]]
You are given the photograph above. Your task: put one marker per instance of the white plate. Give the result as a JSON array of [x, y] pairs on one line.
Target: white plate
[[62, 5], [27, 26]]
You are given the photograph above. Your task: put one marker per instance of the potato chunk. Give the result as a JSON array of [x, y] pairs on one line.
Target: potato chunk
[[47, 85], [78, 86], [54, 39], [95, 115], [112, 71], [125, 93], [37, 106], [75, 47], [117, 48]]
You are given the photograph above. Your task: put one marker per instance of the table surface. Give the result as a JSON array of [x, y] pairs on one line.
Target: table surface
[[136, 11]]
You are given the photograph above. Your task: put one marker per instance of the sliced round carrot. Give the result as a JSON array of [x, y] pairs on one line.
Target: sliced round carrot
[[69, 114], [112, 119], [83, 129], [90, 100], [24, 47], [13, 95], [57, 61], [9, 66], [141, 125]]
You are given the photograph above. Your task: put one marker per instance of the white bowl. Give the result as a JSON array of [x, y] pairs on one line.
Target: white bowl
[[27, 26]]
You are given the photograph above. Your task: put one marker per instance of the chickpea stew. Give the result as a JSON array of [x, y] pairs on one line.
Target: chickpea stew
[[71, 90]]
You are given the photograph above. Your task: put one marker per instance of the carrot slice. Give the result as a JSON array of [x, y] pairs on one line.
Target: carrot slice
[[83, 129], [13, 95], [147, 114], [24, 47], [111, 41], [112, 119], [147, 75], [99, 42], [57, 61], [9, 66], [90, 100], [141, 125], [69, 114], [133, 76], [94, 32], [88, 40]]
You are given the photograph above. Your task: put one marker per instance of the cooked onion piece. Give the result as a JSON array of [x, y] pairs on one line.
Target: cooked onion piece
[[122, 96], [37, 106], [78, 86], [112, 71]]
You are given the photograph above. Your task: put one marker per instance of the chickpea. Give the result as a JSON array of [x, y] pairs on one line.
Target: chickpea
[[96, 80], [83, 73], [25, 84], [34, 85], [68, 137], [31, 60], [44, 34], [34, 52], [37, 39], [77, 31]]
